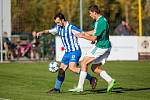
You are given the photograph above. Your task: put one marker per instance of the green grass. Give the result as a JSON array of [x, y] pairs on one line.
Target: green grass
[[30, 81]]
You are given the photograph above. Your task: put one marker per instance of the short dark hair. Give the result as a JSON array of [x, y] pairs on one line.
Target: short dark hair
[[60, 16], [94, 8]]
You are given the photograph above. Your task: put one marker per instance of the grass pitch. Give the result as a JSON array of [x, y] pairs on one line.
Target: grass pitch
[[30, 81]]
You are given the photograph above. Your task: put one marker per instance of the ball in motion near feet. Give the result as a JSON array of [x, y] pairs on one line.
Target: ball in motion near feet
[[53, 66]]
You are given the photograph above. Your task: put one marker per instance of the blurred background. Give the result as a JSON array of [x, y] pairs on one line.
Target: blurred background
[[21, 18], [36, 15]]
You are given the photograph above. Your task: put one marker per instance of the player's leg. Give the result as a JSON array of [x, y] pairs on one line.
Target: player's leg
[[61, 75], [96, 67], [102, 73], [83, 74], [59, 80], [73, 60], [73, 67]]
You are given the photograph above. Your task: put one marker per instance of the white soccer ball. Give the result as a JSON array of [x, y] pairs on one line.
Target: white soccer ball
[[53, 66]]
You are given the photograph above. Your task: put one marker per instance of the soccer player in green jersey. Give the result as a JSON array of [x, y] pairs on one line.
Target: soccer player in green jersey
[[98, 55]]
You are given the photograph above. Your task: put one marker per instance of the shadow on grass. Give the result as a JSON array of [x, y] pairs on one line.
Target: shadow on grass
[[115, 90], [118, 90]]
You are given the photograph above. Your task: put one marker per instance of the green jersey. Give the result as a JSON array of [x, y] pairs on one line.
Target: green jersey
[[101, 29]]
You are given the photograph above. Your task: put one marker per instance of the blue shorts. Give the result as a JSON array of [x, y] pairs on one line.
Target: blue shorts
[[71, 57]]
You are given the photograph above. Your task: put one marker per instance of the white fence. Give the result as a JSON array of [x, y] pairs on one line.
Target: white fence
[[123, 47]]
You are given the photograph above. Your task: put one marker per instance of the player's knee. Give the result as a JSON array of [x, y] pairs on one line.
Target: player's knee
[[96, 68], [83, 64], [61, 75], [93, 68], [61, 72]]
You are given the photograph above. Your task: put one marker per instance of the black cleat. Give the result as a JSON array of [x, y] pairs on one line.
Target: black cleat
[[53, 91], [93, 82]]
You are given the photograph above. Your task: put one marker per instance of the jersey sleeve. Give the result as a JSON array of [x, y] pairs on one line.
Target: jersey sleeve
[[100, 27], [54, 30], [75, 29]]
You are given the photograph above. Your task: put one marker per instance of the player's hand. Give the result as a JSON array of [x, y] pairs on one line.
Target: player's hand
[[93, 42], [38, 34], [34, 34]]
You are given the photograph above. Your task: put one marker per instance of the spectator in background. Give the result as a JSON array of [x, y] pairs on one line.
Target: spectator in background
[[17, 50], [51, 50], [34, 50], [23, 48], [44, 46], [9, 47], [123, 29]]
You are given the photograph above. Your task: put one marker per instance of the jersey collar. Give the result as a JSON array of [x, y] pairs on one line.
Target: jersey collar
[[67, 23], [99, 17]]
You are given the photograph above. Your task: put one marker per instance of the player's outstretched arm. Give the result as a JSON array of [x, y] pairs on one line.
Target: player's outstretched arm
[[42, 32], [89, 32], [88, 37]]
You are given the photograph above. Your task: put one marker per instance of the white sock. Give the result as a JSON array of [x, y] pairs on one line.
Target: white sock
[[82, 77], [105, 76]]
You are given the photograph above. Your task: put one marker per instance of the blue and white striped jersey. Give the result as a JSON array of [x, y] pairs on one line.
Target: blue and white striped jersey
[[67, 34]]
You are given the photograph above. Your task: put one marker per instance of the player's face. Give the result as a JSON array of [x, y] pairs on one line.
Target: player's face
[[92, 14], [59, 22]]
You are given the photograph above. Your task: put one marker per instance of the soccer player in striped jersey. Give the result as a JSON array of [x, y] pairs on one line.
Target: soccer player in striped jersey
[[67, 32]]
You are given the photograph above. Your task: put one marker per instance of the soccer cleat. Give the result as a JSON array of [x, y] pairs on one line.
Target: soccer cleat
[[111, 85], [76, 90], [93, 82], [53, 91]]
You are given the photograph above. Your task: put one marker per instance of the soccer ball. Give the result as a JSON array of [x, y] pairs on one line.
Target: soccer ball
[[53, 66]]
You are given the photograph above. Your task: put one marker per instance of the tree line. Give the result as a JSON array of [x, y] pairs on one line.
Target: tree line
[[36, 15]]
